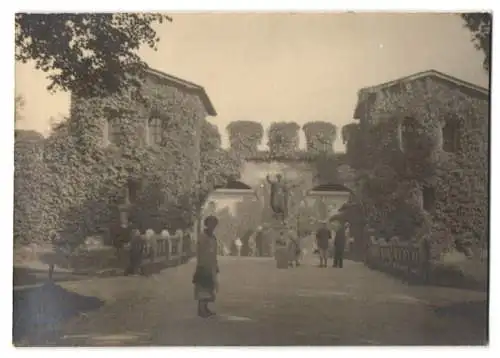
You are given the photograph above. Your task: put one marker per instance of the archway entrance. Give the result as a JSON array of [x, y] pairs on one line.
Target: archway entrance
[[238, 209], [319, 205]]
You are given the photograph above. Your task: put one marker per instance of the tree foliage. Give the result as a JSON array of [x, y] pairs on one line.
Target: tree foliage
[[480, 26], [245, 136], [218, 166], [320, 136], [352, 138], [87, 54], [283, 138]]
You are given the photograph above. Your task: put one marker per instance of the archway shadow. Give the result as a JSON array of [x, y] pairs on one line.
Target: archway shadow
[[38, 312]]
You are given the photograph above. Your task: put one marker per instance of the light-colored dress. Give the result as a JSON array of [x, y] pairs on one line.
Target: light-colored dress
[[207, 267]]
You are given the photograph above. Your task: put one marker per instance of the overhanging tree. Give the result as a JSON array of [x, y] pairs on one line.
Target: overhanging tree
[[87, 54], [480, 25]]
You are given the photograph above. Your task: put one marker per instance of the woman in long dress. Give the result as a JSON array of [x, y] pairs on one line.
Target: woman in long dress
[[207, 268]]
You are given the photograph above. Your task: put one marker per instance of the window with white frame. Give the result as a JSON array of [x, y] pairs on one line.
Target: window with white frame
[[155, 131], [112, 131]]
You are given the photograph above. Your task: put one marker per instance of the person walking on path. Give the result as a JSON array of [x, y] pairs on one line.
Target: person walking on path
[[323, 236], [238, 244], [339, 247], [207, 268]]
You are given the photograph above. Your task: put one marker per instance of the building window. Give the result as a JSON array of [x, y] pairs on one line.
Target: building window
[[131, 191], [112, 131], [155, 131], [451, 137], [428, 198], [408, 133]]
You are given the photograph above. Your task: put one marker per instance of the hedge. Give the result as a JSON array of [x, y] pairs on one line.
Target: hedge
[[320, 136], [245, 137], [283, 138]]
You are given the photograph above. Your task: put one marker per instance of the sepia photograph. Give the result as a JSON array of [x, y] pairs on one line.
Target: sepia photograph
[[251, 179]]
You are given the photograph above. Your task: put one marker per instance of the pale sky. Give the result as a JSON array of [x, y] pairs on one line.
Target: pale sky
[[287, 67]]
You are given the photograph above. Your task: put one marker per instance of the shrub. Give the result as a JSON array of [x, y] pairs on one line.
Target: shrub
[[320, 136], [283, 138], [245, 137]]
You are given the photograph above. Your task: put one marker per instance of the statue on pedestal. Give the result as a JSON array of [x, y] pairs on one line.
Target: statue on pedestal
[[280, 192]]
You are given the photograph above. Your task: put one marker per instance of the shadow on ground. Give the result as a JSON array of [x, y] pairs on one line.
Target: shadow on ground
[[474, 314], [30, 276], [475, 311], [39, 312], [442, 275]]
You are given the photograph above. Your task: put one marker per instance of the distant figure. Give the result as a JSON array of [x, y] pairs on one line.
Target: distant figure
[[349, 237], [323, 237], [339, 247], [136, 253], [252, 245], [207, 268], [293, 250], [238, 244], [259, 241]]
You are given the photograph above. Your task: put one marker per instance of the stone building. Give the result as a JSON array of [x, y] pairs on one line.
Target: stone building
[[433, 130], [161, 121]]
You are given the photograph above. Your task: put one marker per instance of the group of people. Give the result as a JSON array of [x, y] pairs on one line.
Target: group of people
[[327, 245], [205, 278], [252, 246]]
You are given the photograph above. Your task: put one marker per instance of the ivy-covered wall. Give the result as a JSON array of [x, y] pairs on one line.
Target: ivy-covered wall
[[86, 177], [29, 172], [401, 140], [168, 169]]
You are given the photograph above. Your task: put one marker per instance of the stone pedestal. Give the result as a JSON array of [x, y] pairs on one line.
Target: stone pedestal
[[279, 234]]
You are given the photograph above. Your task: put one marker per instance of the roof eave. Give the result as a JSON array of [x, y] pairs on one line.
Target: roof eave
[[209, 107], [207, 103], [457, 81]]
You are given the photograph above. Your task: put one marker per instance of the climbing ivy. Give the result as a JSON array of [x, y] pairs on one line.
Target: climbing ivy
[[88, 178], [395, 178], [320, 136], [283, 138], [29, 176], [353, 140], [245, 137]]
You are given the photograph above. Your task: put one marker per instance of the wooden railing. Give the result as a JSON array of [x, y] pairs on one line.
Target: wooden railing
[[168, 249], [158, 251], [407, 259]]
